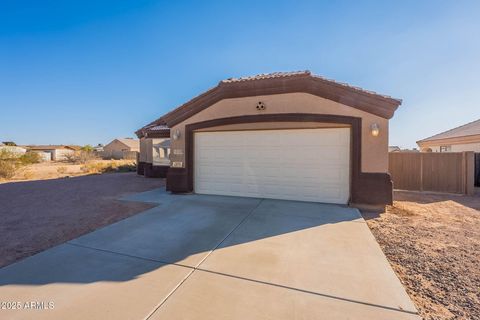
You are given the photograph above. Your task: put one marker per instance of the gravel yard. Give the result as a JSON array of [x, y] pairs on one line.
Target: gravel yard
[[433, 244], [36, 215]]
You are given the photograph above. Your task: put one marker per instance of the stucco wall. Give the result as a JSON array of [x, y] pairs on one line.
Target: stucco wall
[[143, 150], [61, 154], [374, 149], [116, 145], [475, 147]]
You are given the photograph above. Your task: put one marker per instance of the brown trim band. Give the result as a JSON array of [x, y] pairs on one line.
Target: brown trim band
[[365, 188], [355, 98], [140, 168], [157, 135]]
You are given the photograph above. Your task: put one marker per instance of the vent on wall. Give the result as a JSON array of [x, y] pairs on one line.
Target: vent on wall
[[260, 106]]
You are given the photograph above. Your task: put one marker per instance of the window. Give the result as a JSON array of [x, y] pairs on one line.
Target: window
[[445, 148]]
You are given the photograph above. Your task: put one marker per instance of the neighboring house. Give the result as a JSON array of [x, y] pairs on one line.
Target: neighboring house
[[126, 148], [463, 138], [54, 152], [15, 150], [98, 148], [293, 135], [394, 149]]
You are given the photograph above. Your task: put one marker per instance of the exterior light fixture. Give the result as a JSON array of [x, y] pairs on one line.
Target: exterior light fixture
[[375, 129], [176, 134]]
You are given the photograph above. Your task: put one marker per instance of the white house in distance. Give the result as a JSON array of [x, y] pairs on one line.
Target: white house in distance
[[16, 150], [54, 152], [459, 139]]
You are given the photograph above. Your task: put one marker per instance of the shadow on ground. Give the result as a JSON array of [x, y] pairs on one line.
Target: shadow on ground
[[181, 230]]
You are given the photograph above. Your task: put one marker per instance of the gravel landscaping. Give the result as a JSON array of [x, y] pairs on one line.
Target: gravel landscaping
[[36, 215], [433, 243]]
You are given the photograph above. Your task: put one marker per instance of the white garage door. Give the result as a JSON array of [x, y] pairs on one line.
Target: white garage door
[[301, 164]]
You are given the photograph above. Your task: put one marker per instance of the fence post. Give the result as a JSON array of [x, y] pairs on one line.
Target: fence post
[[421, 171], [469, 157]]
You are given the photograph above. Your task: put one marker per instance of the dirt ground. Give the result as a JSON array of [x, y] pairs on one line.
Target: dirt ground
[[57, 169], [36, 215], [433, 244]]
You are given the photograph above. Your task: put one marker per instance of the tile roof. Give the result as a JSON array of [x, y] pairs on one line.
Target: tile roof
[[359, 92], [469, 129], [276, 75]]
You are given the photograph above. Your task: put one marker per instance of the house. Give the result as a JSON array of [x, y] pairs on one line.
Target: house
[[53, 152], [463, 138], [15, 150], [121, 148], [394, 149], [294, 136]]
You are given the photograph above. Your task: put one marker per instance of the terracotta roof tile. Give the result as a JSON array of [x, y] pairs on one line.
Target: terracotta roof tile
[[267, 76]]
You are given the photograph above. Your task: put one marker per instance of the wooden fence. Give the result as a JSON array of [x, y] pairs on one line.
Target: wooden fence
[[432, 171]]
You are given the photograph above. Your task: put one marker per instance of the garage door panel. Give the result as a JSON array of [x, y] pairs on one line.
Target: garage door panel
[[304, 164]]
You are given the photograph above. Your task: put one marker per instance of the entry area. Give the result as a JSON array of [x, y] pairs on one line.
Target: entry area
[[290, 164]]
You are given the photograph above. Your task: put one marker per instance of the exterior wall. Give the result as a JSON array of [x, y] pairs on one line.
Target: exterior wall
[[374, 157], [14, 150], [143, 150], [116, 145], [475, 147], [60, 154]]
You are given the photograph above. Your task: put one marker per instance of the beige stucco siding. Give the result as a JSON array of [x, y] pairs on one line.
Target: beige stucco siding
[[457, 144], [374, 149], [143, 150], [115, 145], [475, 147]]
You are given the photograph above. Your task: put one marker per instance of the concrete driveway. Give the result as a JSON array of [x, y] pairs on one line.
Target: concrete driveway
[[213, 257]]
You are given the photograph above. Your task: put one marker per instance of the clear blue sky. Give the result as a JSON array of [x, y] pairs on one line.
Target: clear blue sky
[[84, 72]]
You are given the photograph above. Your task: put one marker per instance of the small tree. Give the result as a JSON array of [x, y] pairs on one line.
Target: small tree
[[87, 148], [9, 143]]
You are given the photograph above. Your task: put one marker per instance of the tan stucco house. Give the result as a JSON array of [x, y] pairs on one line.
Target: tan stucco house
[[121, 148], [294, 136], [459, 139]]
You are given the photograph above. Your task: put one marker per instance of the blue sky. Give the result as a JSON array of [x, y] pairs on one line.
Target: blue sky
[[84, 72]]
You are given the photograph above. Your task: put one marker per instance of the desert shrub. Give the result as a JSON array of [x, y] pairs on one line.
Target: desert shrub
[[102, 167], [87, 148], [8, 169], [7, 155], [30, 158], [27, 175], [62, 170], [81, 156]]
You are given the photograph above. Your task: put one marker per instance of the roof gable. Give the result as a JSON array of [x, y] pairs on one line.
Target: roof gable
[[469, 129], [278, 83], [130, 143]]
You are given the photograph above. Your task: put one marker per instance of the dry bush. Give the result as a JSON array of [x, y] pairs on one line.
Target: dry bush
[[81, 156], [7, 169], [28, 175], [30, 158], [113, 166], [62, 170], [8, 164]]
